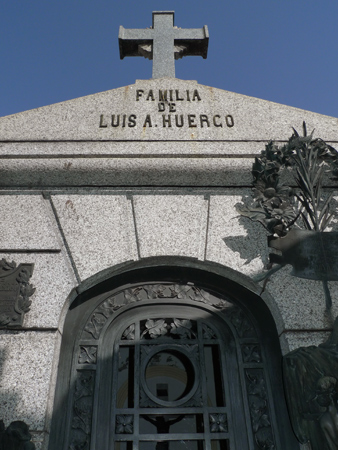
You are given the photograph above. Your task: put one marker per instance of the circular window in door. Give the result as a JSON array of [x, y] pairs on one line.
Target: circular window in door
[[165, 366], [170, 389]]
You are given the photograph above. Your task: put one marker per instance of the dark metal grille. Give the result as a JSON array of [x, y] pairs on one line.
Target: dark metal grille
[[171, 391]]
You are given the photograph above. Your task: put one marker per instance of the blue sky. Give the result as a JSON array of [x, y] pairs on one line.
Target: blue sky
[[285, 51]]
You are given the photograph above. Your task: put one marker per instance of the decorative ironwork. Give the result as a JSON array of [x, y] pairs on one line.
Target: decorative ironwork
[[16, 436], [241, 323], [158, 340], [182, 328], [82, 410], [15, 291], [222, 347], [208, 333], [277, 206], [124, 424], [280, 207], [179, 361], [109, 306], [129, 333], [251, 353], [259, 411], [95, 325], [184, 331], [155, 328], [218, 423]]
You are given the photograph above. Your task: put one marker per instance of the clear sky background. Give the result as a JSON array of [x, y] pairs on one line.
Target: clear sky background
[[284, 51]]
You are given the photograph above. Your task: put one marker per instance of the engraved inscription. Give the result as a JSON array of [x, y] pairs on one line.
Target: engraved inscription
[[167, 120], [168, 95], [167, 103]]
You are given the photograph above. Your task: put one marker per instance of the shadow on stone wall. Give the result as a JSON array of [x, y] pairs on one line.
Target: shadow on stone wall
[[14, 434]]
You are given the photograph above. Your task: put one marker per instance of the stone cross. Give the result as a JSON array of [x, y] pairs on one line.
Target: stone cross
[[163, 43]]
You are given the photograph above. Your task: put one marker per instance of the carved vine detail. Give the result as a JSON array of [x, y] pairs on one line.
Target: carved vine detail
[[241, 323], [259, 410], [180, 328], [148, 292], [22, 303], [251, 353], [129, 333], [208, 333], [6, 265], [82, 410], [176, 329], [88, 354]]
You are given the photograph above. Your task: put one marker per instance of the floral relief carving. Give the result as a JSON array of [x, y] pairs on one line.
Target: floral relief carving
[[108, 307], [243, 327], [251, 353], [15, 293], [82, 410], [218, 423], [155, 328], [95, 325], [259, 411], [208, 333], [124, 424], [129, 333], [6, 265], [149, 292], [182, 328], [88, 354]]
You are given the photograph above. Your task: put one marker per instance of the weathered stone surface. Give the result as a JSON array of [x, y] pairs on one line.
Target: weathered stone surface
[[25, 365], [130, 148], [140, 171], [25, 223], [301, 301], [247, 118], [99, 230], [171, 225]]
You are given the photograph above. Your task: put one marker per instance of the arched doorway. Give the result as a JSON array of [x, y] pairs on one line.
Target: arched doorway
[[179, 357]]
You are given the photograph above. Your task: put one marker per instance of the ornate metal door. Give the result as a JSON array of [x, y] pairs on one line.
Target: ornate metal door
[[169, 367], [170, 383]]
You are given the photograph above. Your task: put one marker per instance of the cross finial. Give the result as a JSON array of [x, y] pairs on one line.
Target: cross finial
[[163, 43]]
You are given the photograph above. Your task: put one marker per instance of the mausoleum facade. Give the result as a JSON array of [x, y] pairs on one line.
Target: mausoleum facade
[[146, 328]]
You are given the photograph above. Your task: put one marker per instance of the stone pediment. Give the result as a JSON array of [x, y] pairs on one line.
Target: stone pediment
[[163, 109]]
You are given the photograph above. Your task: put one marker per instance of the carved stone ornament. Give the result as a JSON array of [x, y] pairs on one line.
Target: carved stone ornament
[[112, 304], [82, 409], [310, 375], [15, 291], [15, 437]]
